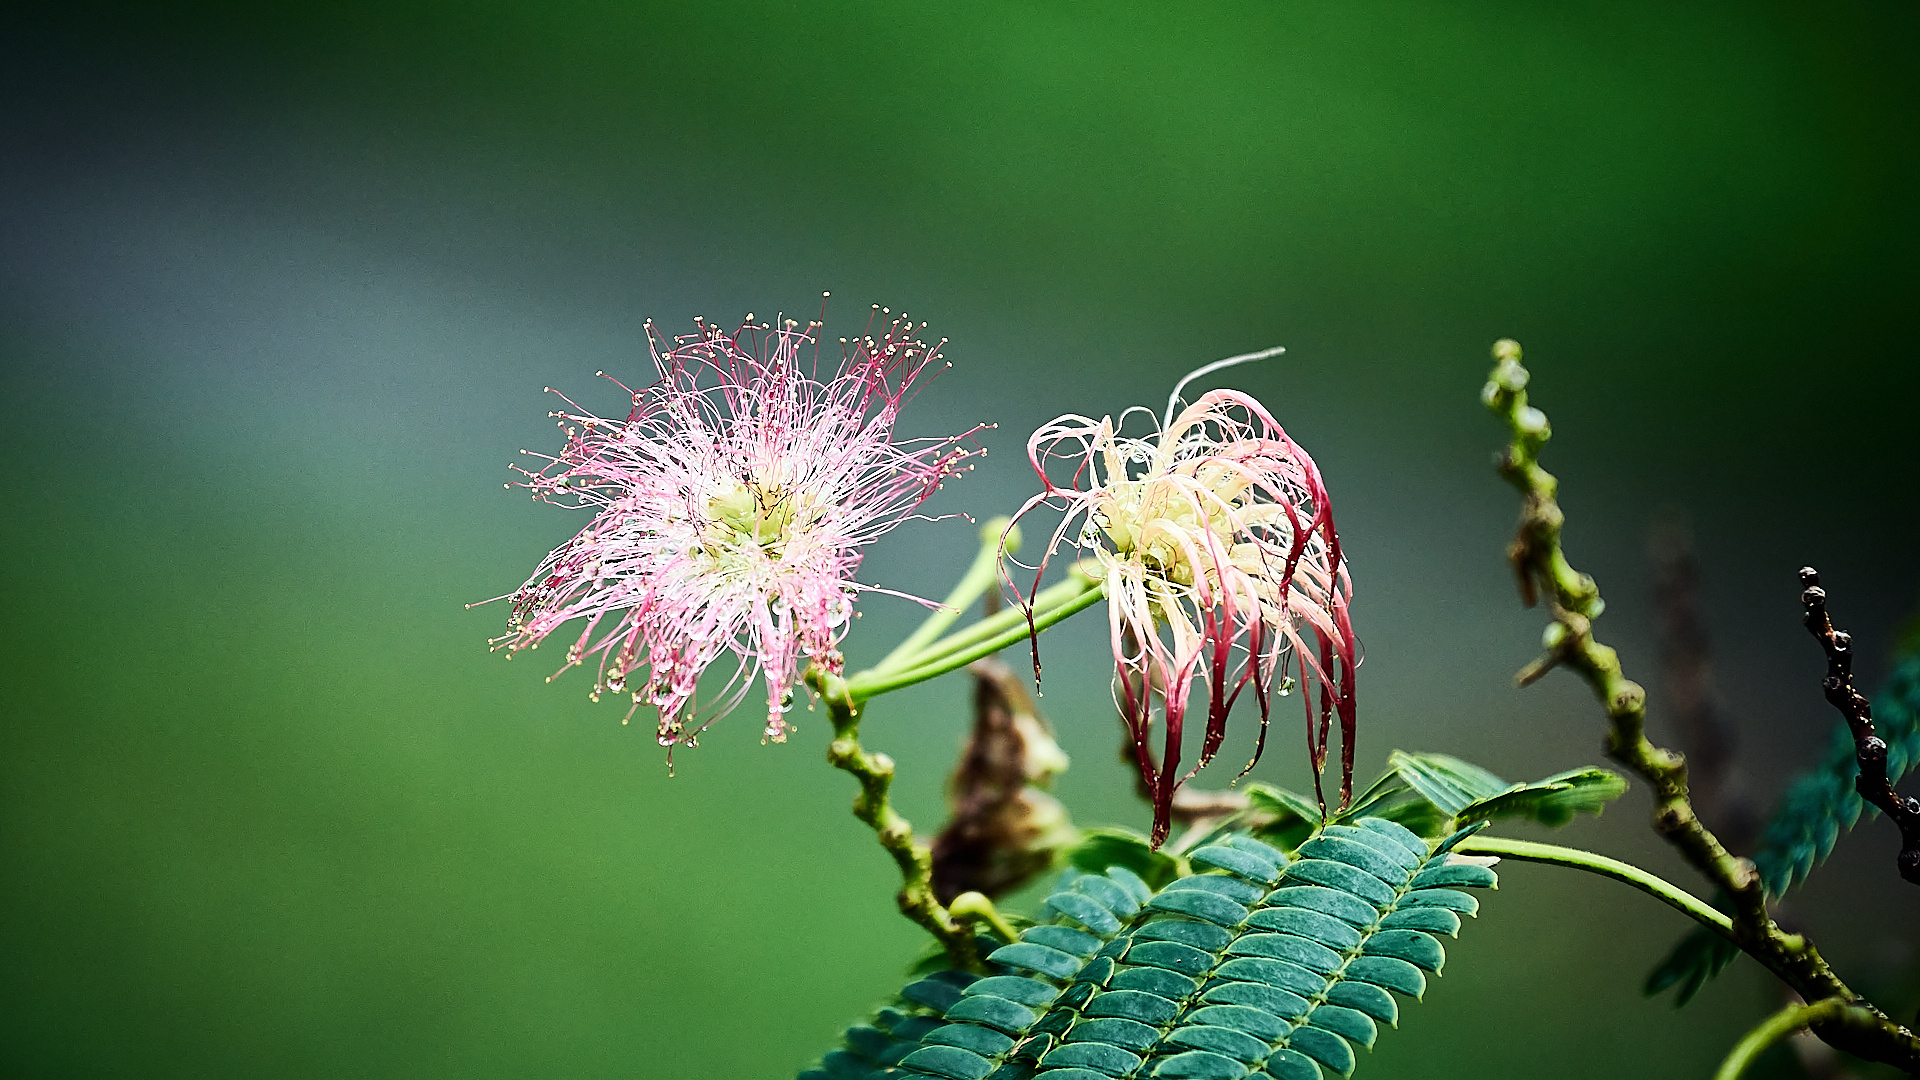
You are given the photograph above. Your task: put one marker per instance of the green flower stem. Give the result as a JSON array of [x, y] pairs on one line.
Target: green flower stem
[[1573, 599], [875, 773], [974, 584], [1554, 855], [984, 638], [1777, 1027], [1001, 622]]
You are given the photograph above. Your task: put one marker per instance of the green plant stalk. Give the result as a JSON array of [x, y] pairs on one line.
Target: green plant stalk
[[1573, 598], [973, 584], [999, 623], [1554, 855], [875, 773], [1777, 1027], [984, 638]]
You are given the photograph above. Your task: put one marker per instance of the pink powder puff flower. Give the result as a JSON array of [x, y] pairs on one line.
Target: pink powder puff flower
[[731, 508], [1215, 541]]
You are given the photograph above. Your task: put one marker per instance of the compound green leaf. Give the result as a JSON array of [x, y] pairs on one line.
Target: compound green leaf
[[1297, 975]]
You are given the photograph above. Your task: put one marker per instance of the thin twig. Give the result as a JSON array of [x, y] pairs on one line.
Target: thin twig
[[1870, 751], [1573, 599]]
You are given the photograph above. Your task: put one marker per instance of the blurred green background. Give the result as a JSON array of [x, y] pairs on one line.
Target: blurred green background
[[280, 287]]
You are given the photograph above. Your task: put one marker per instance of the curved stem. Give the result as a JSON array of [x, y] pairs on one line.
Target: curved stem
[[1573, 858], [1777, 1027], [984, 638], [973, 584], [875, 773]]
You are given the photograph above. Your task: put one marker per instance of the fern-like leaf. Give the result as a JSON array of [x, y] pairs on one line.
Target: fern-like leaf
[[1256, 966]]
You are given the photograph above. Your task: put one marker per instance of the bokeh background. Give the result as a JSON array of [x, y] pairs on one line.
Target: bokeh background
[[280, 286]]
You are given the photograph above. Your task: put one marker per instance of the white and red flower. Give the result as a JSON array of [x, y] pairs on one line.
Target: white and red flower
[[1215, 539], [731, 507]]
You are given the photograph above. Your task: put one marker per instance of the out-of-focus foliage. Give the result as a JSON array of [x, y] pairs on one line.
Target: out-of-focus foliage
[[1813, 813]]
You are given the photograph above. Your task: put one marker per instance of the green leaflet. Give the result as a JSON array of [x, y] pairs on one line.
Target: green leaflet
[[1262, 968], [1812, 814], [1431, 795]]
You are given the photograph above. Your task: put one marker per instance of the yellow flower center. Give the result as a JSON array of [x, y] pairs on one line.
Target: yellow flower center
[[751, 516]]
